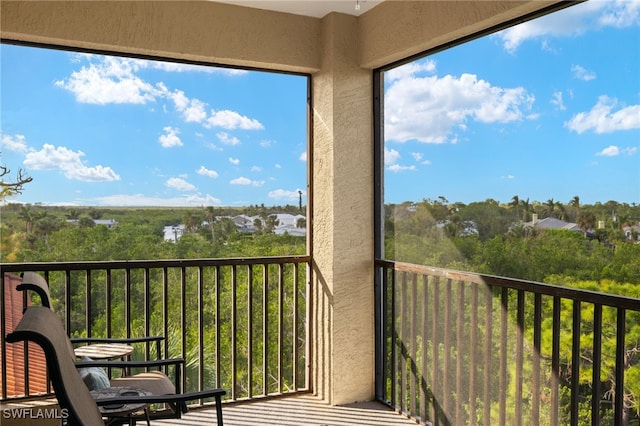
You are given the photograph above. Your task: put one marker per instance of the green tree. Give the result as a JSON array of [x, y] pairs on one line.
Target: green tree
[[210, 217], [515, 204], [27, 215], [586, 222], [631, 366]]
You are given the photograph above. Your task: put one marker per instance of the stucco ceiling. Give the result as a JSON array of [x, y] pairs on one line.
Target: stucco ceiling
[[315, 8]]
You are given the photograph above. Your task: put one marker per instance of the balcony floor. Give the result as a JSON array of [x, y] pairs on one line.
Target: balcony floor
[[295, 411]]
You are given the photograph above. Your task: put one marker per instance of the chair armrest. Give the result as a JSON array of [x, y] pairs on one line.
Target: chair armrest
[[130, 364], [78, 340], [160, 399]]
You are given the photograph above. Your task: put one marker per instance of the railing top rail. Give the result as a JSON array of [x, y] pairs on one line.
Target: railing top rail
[[530, 286], [141, 264]]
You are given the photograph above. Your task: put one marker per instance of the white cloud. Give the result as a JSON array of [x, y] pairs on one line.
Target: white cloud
[[227, 139], [428, 109], [110, 80], [278, 166], [232, 120], [582, 74], [240, 181], [70, 163], [621, 14], [170, 139], [16, 143], [206, 172], [234, 161], [557, 100], [180, 184], [573, 21], [398, 168], [143, 200], [614, 151], [411, 69], [256, 169], [246, 181], [391, 158], [193, 110], [283, 194], [602, 118], [266, 143], [303, 156]]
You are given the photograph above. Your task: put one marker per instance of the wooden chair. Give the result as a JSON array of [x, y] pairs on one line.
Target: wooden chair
[[42, 326]]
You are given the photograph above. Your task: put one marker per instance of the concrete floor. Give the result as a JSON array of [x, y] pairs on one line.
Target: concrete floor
[[301, 410]]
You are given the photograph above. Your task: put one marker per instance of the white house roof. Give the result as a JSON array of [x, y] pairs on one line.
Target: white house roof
[[553, 223]]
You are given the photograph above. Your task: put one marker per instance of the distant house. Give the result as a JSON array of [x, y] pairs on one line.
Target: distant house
[[244, 223], [287, 224], [468, 227], [552, 223], [173, 232], [109, 223], [632, 231]]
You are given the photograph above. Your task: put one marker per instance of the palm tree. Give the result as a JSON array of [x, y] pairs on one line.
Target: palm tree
[[575, 203], [526, 208], [191, 222], [515, 202], [45, 225], [73, 214], [95, 213], [586, 222], [27, 215], [210, 217], [562, 212], [551, 205]]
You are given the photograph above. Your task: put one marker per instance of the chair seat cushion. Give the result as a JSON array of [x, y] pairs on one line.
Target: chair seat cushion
[[155, 382]]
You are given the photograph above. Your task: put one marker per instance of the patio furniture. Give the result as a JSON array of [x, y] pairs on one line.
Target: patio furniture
[[33, 281], [92, 369], [42, 326], [121, 412]]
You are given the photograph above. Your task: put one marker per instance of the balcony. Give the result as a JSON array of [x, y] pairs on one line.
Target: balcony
[[453, 347]]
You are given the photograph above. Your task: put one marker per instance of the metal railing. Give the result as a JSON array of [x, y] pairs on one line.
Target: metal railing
[[458, 348], [240, 324]]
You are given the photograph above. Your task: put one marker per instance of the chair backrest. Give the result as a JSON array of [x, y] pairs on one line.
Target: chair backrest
[[42, 326], [36, 283]]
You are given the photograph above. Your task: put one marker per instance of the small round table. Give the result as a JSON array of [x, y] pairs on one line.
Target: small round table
[[104, 351], [119, 411]]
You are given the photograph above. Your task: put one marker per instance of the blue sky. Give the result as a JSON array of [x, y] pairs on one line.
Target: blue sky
[[547, 109], [105, 131]]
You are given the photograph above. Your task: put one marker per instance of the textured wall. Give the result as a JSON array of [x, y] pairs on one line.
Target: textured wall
[[396, 29], [193, 30], [343, 217]]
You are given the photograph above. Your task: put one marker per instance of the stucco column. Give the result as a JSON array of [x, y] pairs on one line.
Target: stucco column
[[343, 317]]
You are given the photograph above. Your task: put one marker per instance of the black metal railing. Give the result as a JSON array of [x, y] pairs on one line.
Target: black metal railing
[[240, 324], [458, 348]]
